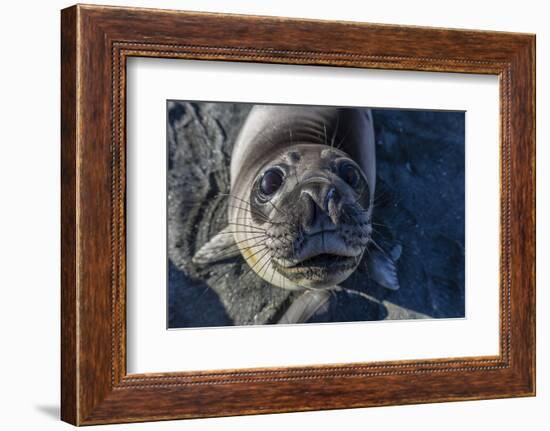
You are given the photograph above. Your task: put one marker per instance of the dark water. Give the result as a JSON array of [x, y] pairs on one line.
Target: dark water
[[419, 205]]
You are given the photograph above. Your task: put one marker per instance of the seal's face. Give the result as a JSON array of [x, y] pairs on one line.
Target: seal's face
[[314, 205]]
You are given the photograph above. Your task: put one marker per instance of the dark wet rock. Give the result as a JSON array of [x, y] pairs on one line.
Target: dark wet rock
[[419, 204]]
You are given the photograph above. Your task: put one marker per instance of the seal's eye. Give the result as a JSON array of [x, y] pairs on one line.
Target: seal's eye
[[272, 180], [350, 174]]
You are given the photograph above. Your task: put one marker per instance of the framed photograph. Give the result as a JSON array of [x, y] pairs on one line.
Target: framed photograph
[[266, 215]]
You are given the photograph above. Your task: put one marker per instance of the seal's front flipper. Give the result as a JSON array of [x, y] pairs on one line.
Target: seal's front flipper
[[220, 247], [382, 267], [305, 306]]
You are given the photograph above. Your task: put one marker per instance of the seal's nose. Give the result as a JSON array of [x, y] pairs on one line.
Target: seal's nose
[[319, 203]]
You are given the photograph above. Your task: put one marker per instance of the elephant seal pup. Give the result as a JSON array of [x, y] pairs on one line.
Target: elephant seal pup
[[301, 202]]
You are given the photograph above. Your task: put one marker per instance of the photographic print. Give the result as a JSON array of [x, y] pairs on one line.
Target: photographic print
[[289, 214], [268, 212]]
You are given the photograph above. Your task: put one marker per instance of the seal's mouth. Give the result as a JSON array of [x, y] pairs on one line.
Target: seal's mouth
[[324, 260], [320, 271], [321, 260], [321, 250]]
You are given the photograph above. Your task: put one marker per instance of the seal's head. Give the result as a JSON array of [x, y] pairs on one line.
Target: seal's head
[[302, 185], [313, 204]]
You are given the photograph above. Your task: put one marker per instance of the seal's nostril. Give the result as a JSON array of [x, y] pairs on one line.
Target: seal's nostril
[[314, 213], [332, 198], [310, 210], [331, 204]]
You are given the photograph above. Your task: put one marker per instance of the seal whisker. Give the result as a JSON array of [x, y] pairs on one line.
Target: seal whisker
[[241, 218], [239, 231], [247, 258], [247, 212], [259, 271], [252, 267], [249, 267], [365, 266], [230, 253], [230, 249], [356, 278], [272, 274], [262, 236], [230, 195], [380, 249], [343, 139], [252, 229], [261, 216], [335, 131], [204, 290], [381, 195], [248, 209], [376, 231], [281, 211]]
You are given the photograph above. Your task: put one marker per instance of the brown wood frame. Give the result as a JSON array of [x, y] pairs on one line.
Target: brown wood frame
[[95, 43]]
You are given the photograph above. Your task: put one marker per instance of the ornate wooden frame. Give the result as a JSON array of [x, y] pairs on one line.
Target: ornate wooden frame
[[95, 43]]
